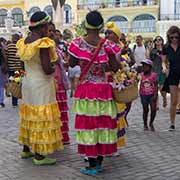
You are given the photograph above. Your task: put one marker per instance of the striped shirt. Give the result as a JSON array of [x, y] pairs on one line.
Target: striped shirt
[[14, 62]]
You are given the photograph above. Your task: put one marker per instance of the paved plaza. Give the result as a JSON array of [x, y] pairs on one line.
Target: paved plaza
[[147, 156]]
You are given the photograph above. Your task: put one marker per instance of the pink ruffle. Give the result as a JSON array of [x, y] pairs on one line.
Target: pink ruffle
[[81, 50], [94, 91], [63, 106], [97, 150], [61, 96], [89, 123], [64, 117], [66, 138], [65, 127]]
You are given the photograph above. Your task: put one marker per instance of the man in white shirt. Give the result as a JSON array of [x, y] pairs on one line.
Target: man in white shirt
[[139, 52]]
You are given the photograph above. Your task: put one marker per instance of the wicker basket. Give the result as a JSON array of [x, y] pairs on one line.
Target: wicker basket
[[126, 95], [14, 89]]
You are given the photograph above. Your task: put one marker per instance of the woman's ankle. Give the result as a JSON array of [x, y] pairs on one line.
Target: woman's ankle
[[39, 157]]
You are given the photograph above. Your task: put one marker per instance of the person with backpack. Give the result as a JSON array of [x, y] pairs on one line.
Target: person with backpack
[[139, 52]]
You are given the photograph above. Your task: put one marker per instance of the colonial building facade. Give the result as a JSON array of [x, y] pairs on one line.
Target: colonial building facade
[[169, 15], [21, 10], [132, 16]]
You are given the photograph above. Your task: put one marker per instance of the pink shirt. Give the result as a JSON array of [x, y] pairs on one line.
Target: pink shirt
[[148, 84]]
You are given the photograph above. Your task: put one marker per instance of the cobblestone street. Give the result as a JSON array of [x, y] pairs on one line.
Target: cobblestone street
[[147, 156]]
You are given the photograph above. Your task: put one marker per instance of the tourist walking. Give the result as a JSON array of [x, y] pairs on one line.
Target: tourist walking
[[171, 56], [13, 61], [156, 57], [139, 52], [40, 125], [94, 106]]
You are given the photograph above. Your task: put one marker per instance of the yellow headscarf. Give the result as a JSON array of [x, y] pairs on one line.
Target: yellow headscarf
[[113, 27]]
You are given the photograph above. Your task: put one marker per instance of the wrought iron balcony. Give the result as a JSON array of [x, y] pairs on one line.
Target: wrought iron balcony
[[116, 3], [169, 17]]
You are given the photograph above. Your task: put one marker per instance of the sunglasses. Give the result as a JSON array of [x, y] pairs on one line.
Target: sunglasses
[[158, 39], [174, 37]]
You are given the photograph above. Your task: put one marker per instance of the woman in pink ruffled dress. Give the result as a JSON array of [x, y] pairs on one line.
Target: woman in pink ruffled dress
[[62, 84], [95, 109]]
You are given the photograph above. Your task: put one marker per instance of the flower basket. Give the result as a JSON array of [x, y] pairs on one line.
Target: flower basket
[[126, 95], [14, 89]]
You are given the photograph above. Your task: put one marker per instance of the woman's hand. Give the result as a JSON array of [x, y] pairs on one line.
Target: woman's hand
[[165, 71]]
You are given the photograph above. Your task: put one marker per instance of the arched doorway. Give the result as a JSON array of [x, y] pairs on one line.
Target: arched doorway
[[17, 14], [67, 14], [3, 15], [49, 10], [144, 23], [121, 22]]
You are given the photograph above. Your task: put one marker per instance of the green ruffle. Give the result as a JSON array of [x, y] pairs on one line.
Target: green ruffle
[[97, 136], [95, 108]]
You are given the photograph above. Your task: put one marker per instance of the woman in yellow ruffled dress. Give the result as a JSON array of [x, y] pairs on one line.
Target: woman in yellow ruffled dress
[[113, 33], [40, 128]]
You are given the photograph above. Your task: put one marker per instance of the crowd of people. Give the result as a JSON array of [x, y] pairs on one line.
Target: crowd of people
[[89, 61]]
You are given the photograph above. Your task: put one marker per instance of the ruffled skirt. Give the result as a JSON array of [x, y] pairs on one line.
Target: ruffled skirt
[[40, 128], [121, 125], [63, 106], [96, 123]]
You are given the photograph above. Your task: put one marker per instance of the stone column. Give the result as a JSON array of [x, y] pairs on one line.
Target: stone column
[[58, 16]]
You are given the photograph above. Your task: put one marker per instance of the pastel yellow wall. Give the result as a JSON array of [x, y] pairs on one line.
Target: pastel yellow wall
[[129, 12]]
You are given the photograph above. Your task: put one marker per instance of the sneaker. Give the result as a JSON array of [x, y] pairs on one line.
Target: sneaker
[[152, 128], [2, 105], [87, 171], [99, 168], [26, 155], [171, 128], [44, 162]]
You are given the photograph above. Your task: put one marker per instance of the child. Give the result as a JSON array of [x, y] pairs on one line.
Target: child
[[148, 93]]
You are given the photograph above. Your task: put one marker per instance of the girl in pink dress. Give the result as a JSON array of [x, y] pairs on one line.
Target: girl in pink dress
[[148, 93]]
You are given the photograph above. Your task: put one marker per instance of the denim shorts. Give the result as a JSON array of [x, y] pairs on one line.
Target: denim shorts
[[147, 99]]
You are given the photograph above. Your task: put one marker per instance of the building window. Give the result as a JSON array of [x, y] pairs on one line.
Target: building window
[[67, 14], [121, 22], [3, 15], [33, 10], [17, 16], [177, 10], [49, 10], [144, 23]]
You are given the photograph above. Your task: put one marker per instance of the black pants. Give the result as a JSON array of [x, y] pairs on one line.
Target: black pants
[[14, 99], [95, 161]]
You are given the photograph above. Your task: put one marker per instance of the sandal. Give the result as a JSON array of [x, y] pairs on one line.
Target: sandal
[[44, 162], [88, 171], [26, 155]]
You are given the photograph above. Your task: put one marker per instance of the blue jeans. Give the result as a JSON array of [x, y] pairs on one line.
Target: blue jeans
[[14, 99], [1, 95]]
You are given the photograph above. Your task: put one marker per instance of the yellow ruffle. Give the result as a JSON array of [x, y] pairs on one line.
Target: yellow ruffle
[[38, 113], [40, 128], [27, 51], [121, 107], [121, 142], [121, 123]]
